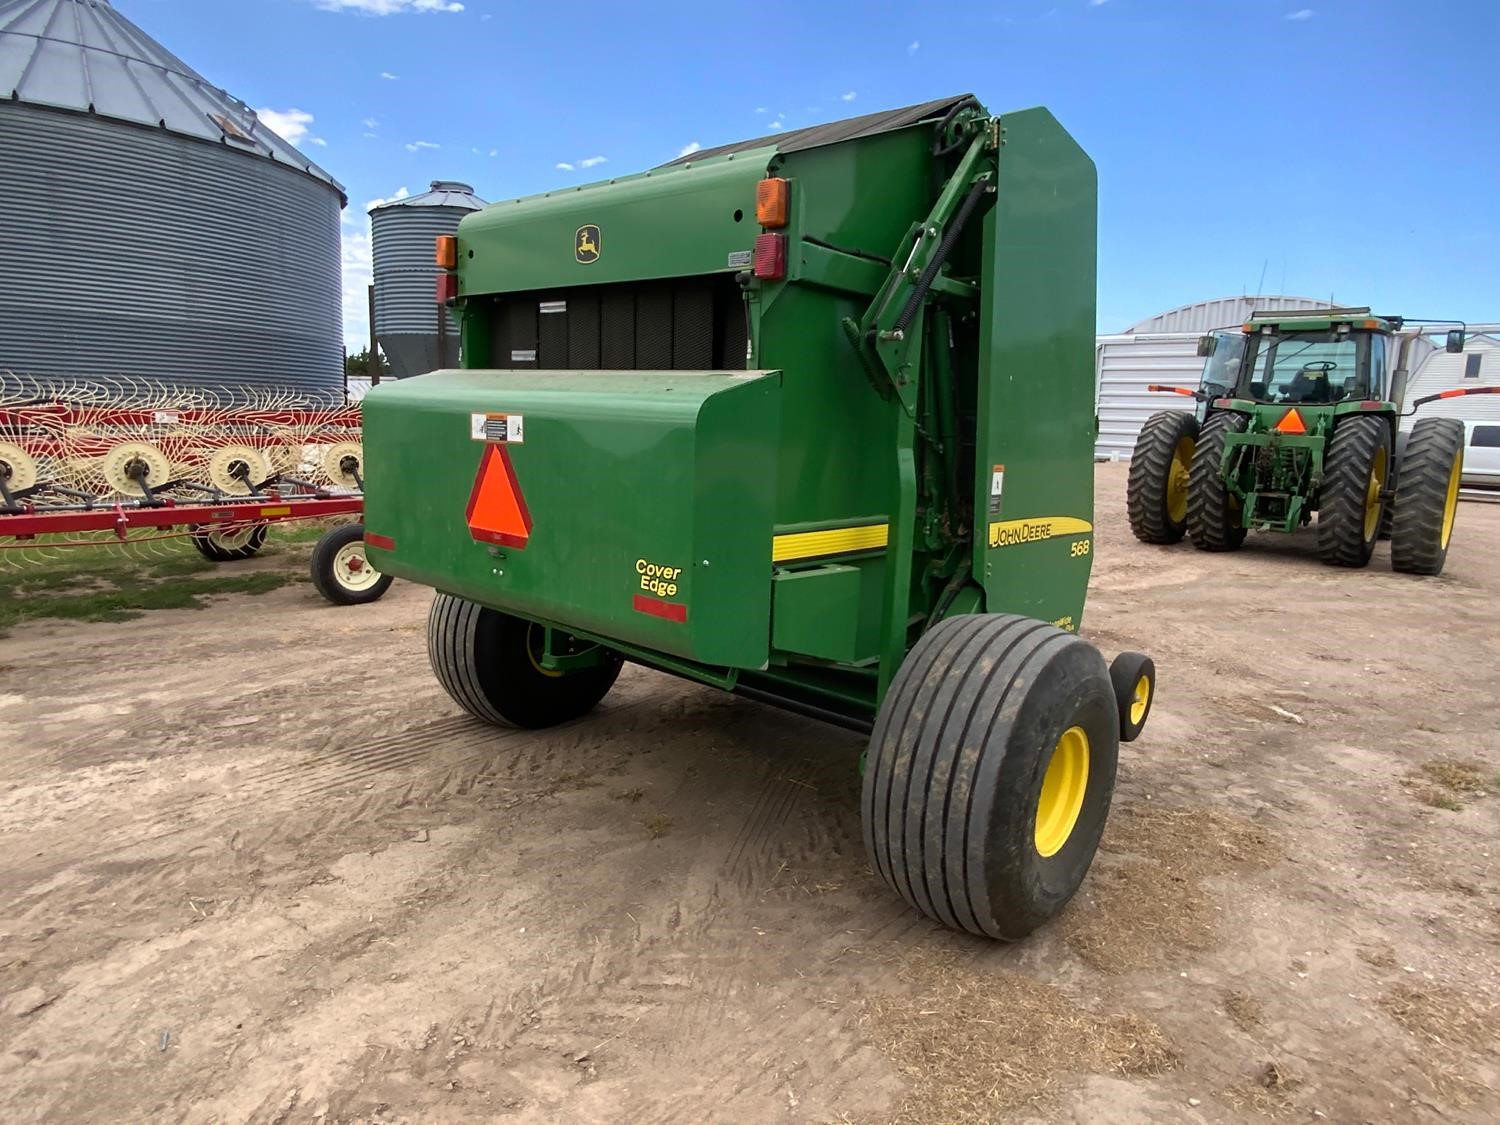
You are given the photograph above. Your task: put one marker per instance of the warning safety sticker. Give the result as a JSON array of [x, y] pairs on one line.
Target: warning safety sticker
[[497, 427]]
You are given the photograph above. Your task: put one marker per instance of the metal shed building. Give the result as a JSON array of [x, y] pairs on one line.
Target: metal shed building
[[153, 227], [1162, 349]]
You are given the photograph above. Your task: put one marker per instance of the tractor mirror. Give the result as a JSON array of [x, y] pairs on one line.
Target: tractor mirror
[[1455, 341], [1207, 344]]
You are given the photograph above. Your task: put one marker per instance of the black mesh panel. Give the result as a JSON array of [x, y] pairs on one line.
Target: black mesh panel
[[653, 328], [685, 324]]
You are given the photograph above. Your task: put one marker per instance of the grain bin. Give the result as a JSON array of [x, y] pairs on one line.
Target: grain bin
[[402, 233], [154, 227]]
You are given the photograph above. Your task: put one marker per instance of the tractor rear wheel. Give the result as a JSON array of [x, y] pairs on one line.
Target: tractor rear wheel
[[1350, 500], [490, 664], [990, 773], [1213, 516], [1156, 495], [1427, 496]]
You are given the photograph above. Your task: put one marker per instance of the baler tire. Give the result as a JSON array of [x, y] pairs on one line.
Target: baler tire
[[333, 574], [1211, 521], [1427, 496], [1132, 675], [1156, 492], [1355, 476], [957, 820], [483, 659], [206, 540]]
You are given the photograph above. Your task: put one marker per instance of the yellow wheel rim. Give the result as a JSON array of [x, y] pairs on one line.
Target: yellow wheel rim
[[1450, 506], [1063, 787], [534, 643], [1177, 480], [1140, 700], [1373, 489]]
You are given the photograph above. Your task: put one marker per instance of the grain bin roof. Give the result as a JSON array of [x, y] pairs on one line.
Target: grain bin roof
[[444, 193], [82, 56], [1221, 312]]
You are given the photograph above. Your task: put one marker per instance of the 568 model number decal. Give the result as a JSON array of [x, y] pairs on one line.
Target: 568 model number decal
[[1012, 533]]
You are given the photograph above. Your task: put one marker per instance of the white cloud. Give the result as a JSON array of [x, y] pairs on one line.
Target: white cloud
[[494, 152], [776, 125], [849, 97], [760, 109], [289, 124], [913, 46], [372, 136], [389, 77], [418, 146], [1300, 14], [370, 123], [486, 18], [1097, 3], [689, 148], [563, 166], [319, 141], [388, 7], [592, 161]]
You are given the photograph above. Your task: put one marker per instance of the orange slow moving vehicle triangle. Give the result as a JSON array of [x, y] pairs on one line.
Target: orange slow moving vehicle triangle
[[1292, 423], [497, 511]]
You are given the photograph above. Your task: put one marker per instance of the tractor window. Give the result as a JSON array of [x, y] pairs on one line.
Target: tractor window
[[1222, 369], [1377, 367], [1310, 367]]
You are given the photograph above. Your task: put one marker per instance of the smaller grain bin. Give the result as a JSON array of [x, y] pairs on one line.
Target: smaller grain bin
[[402, 233]]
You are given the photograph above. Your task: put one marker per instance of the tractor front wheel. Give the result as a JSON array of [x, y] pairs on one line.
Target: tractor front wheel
[[990, 773], [490, 664], [1350, 501], [1156, 495], [1214, 514], [1427, 496]]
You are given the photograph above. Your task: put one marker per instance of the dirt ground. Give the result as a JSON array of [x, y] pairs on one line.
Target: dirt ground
[[255, 866]]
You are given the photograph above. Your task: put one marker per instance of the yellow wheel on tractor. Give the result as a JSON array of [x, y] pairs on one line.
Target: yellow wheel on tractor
[[990, 772], [1427, 496], [1156, 495], [1351, 499]]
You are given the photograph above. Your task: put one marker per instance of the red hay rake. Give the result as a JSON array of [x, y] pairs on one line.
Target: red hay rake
[[127, 464]]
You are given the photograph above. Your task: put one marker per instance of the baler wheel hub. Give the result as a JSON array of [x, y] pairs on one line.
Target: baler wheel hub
[[1063, 789]]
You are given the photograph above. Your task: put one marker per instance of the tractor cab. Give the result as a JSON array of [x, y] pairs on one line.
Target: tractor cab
[[1305, 359]]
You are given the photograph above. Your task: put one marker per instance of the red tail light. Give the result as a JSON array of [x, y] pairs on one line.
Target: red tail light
[[447, 287], [770, 257]]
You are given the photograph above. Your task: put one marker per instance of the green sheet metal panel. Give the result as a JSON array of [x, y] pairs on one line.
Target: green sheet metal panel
[[672, 222], [647, 495], [1034, 534]]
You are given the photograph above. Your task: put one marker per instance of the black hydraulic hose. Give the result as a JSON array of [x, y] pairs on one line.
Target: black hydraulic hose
[[955, 228], [845, 250], [940, 149]]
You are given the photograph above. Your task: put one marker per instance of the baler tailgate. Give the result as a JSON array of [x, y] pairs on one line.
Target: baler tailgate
[[632, 504]]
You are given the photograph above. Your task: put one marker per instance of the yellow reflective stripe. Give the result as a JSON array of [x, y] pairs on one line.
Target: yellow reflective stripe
[[834, 541], [1009, 533], [275, 511]]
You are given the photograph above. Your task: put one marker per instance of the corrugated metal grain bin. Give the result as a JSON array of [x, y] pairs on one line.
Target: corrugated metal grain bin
[[402, 233], [154, 227]]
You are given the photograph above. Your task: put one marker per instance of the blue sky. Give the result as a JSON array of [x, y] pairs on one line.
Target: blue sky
[[1314, 147]]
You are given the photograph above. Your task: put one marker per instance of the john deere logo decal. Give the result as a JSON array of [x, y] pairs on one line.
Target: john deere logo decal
[[586, 244]]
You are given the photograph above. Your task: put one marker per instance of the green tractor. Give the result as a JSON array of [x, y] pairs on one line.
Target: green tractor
[[1299, 413], [808, 418]]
